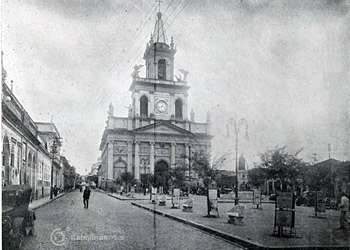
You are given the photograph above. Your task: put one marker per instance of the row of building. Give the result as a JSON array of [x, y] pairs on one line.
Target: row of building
[[31, 150]]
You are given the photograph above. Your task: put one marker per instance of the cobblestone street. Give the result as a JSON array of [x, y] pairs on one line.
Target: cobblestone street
[[111, 224]]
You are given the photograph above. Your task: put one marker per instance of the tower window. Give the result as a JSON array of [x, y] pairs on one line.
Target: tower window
[[178, 109], [162, 69], [144, 106]]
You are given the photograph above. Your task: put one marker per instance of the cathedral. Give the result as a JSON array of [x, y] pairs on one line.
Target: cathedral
[[158, 133]]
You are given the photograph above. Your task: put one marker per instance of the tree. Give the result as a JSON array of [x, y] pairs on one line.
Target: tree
[[282, 167], [206, 171], [178, 176], [128, 178], [257, 176], [324, 176]]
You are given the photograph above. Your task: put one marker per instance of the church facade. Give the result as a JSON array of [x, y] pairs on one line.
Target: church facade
[[157, 134]]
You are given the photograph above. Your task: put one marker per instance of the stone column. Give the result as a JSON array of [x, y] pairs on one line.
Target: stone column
[[185, 107], [151, 157], [173, 151], [137, 160], [129, 156], [187, 155], [137, 104], [110, 161]]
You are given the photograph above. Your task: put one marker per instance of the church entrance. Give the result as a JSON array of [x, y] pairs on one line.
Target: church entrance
[[162, 175]]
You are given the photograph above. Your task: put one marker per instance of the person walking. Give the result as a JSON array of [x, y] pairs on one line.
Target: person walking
[[86, 196], [344, 208], [55, 190]]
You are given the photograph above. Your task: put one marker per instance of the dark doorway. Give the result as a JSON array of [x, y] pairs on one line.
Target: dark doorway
[[6, 160], [162, 175]]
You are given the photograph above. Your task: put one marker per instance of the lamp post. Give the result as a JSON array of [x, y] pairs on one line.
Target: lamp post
[[235, 124], [53, 152]]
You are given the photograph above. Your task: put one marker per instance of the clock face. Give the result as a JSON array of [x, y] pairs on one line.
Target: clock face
[[162, 106]]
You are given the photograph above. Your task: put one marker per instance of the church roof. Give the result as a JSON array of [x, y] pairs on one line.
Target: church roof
[[163, 126]]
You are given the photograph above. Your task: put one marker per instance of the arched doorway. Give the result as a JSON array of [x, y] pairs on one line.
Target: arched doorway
[[119, 167], [6, 161], [162, 175]]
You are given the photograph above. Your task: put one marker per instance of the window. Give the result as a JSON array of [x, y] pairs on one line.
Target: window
[[162, 69], [178, 109], [12, 157], [144, 106]]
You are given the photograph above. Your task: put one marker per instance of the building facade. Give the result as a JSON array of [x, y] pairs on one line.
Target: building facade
[[27, 147], [69, 175], [157, 134], [51, 137]]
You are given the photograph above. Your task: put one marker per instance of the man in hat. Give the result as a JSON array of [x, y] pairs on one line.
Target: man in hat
[[86, 196]]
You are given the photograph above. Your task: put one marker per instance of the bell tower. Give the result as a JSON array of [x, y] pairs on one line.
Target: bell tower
[[159, 56], [158, 96]]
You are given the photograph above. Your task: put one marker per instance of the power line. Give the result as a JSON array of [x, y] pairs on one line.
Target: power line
[[178, 14], [143, 23], [135, 59], [136, 51], [137, 30], [174, 9]]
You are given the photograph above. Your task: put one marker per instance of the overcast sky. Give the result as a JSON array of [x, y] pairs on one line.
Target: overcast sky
[[282, 65]]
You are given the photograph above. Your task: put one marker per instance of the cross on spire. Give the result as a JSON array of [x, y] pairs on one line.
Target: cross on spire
[[159, 2], [159, 32]]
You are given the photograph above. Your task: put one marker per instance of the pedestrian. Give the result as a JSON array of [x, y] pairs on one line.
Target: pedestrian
[[55, 190], [344, 208], [86, 196]]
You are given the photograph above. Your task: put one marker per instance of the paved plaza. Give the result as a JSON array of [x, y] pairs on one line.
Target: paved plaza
[[112, 224], [258, 226]]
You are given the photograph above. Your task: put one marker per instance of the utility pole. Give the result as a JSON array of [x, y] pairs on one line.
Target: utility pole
[[235, 124], [53, 152]]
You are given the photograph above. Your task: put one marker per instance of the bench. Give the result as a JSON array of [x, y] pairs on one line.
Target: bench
[[187, 206], [235, 219], [236, 215], [162, 201]]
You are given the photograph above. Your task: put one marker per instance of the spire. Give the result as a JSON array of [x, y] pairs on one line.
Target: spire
[[151, 40], [3, 71], [159, 32], [172, 42]]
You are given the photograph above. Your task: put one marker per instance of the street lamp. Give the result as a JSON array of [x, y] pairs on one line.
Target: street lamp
[[235, 124], [53, 152]]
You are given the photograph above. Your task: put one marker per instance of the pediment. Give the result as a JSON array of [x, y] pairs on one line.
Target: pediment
[[163, 128]]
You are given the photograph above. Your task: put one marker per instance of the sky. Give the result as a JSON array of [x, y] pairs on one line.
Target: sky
[[284, 66]]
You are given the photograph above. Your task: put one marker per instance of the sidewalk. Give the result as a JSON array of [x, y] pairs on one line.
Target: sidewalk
[[314, 233], [136, 196], [43, 201]]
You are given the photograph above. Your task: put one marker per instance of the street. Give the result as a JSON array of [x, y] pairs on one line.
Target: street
[[111, 224]]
